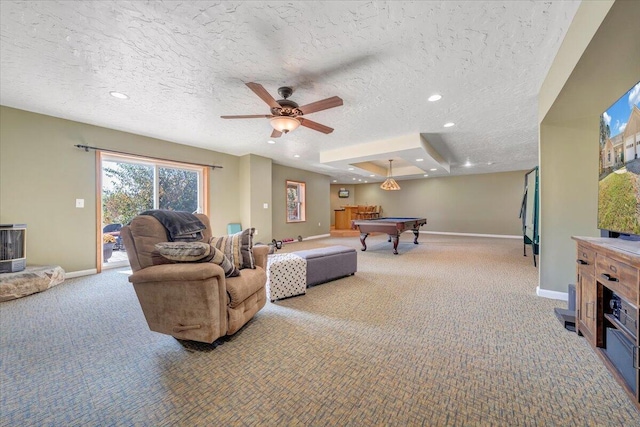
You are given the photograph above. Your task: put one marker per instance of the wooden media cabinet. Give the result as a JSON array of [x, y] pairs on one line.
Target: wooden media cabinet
[[607, 302]]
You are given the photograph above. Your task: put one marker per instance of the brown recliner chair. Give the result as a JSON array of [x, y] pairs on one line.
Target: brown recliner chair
[[190, 301]]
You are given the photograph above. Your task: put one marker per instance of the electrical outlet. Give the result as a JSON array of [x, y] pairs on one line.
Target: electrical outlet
[[318, 224], [265, 205], [255, 232], [79, 203]]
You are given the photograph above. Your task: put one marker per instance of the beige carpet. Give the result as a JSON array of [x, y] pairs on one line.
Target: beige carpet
[[449, 332]]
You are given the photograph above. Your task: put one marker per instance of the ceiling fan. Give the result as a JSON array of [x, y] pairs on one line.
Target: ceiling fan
[[286, 115]]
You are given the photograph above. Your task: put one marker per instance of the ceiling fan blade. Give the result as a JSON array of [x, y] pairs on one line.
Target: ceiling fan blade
[[276, 134], [259, 90], [255, 116], [314, 125], [325, 104]]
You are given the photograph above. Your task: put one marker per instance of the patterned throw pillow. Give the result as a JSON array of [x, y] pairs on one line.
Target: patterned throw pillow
[[221, 259], [237, 247], [197, 252], [184, 251]]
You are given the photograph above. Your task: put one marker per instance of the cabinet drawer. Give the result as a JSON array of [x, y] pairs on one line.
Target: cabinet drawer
[[586, 260], [621, 278]]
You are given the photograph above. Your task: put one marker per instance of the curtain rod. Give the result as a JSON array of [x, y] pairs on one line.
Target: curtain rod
[[87, 148]]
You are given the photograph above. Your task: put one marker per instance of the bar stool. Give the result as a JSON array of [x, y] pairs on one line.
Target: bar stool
[[369, 212]]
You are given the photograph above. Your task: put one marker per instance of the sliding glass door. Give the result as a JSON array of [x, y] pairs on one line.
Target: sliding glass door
[[131, 185]]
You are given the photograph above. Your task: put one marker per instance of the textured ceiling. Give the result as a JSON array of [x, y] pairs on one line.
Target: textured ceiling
[[184, 64]]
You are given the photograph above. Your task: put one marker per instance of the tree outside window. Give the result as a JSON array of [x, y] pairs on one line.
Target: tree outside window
[[131, 186], [296, 201]]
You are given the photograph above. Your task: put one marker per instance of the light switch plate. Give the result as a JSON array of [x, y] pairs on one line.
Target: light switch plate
[[79, 203], [265, 205]]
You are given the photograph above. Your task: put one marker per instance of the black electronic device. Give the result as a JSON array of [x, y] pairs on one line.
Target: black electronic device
[[625, 312], [621, 354]]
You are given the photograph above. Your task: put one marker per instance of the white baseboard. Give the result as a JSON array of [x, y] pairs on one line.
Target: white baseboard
[[500, 236], [72, 274], [562, 296], [117, 264], [319, 236]]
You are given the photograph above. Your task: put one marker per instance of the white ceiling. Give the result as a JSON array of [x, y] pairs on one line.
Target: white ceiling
[[184, 64]]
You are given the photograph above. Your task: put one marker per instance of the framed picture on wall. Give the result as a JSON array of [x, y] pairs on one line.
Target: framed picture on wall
[[343, 194]]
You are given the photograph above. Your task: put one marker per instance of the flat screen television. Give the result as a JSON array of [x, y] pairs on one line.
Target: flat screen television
[[619, 180]]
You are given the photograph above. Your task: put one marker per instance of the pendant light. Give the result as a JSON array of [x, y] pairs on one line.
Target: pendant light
[[390, 184]]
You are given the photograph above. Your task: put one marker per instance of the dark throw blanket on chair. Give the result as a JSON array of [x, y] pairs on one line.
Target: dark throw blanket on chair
[[181, 226]]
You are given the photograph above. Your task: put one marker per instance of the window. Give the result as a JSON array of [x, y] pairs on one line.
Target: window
[[296, 201], [132, 184]]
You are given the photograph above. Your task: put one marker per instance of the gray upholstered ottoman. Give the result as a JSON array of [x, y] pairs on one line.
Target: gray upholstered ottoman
[[330, 263]]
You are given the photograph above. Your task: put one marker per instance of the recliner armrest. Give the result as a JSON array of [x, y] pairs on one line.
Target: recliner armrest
[[260, 253], [178, 272]]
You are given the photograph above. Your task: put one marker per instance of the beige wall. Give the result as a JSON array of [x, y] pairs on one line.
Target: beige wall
[[607, 68], [42, 173], [261, 188], [317, 200], [477, 204], [569, 161], [244, 187], [336, 202]]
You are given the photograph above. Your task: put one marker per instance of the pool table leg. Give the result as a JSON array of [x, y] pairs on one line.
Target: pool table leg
[[395, 238], [363, 237], [416, 233]]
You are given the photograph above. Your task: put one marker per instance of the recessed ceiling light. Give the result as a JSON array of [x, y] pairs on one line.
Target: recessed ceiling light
[[419, 160], [335, 180], [448, 125], [433, 169], [372, 176], [296, 155], [467, 164], [489, 163], [426, 174], [271, 141], [366, 182], [351, 169], [354, 179], [118, 95], [435, 97], [359, 180]]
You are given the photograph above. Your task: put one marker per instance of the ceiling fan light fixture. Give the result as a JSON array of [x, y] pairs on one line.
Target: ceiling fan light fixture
[[284, 124], [390, 184]]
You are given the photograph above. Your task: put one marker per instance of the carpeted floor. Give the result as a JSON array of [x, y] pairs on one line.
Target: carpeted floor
[[449, 332]]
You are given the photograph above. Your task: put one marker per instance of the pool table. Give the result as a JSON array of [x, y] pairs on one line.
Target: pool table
[[393, 227]]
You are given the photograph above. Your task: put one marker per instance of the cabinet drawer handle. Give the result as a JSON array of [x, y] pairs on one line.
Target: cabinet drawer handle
[[609, 277], [582, 262]]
